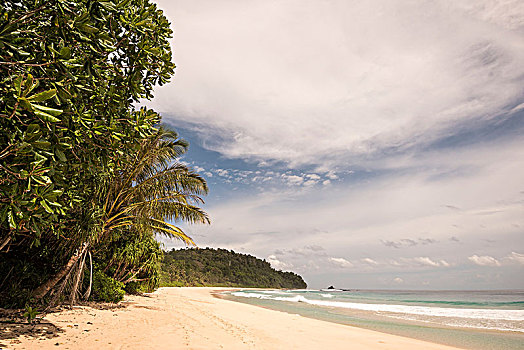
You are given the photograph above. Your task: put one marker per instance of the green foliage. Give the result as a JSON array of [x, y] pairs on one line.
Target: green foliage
[[220, 267], [30, 313], [81, 169], [106, 288], [69, 73]]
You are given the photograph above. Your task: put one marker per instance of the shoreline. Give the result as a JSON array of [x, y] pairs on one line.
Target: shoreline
[[194, 318]]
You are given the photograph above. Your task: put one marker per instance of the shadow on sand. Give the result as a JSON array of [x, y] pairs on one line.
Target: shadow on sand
[[12, 330]]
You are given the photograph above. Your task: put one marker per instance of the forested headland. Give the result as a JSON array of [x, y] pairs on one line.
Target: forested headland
[[224, 268], [87, 176]]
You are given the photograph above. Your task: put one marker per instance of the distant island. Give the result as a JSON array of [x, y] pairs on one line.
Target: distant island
[[225, 268]]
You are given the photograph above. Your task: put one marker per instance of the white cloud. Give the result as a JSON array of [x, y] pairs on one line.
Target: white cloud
[[307, 82], [331, 175], [335, 86], [326, 182], [340, 262], [426, 261], [444, 263], [484, 260], [370, 261], [222, 172], [293, 179], [313, 176], [516, 258], [277, 264], [352, 219], [309, 183], [419, 261], [398, 280]]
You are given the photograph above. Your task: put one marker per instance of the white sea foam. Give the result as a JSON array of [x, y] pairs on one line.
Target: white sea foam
[[487, 314], [251, 295], [327, 295]]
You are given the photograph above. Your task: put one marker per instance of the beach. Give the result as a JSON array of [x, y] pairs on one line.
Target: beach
[[192, 318]]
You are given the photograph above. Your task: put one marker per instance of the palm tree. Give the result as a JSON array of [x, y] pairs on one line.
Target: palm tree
[[152, 190]]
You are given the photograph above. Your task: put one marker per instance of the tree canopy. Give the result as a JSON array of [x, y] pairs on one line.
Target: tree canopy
[[221, 267], [72, 73]]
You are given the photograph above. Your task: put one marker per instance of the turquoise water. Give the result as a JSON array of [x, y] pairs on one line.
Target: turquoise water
[[485, 320]]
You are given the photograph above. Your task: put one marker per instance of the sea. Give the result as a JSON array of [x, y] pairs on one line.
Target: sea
[[484, 320]]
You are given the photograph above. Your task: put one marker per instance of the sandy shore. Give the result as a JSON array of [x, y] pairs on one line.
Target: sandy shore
[[191, 318]]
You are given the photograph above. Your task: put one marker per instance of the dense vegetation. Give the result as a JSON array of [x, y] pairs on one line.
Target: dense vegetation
[[86, 178], [221, 267]]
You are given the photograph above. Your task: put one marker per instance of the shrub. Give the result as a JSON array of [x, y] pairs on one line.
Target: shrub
[[106, 288]]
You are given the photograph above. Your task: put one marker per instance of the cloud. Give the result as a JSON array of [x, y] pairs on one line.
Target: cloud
[[422, 261], [452, 207], [411, 110], [331, 175], [315, 248], [425, 241], [370, 261], [293, 179], [356, 216], [391, 244], [516, 258], [340, 262], [444, 263], [428, 262], [310, 183], [407, 242], [316, 83], [277, 264], [222, 172], [398, 280], [484, 260], [313, 176]]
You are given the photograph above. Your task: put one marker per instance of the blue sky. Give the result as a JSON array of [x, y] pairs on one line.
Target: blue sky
[[373, 144]]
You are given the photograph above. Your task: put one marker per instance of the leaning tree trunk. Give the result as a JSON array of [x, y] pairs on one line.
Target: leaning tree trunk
[[41, 291], [4, 243], [78, 278]]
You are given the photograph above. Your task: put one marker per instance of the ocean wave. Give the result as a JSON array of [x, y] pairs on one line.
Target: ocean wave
[[486, 314]]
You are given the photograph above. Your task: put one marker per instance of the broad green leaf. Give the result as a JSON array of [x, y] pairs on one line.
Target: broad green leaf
[[53, 111], [123, 4], [60, 155], [46, 117], [46, 207], [33, 129], [18, 85], [29, 85], [42, 96], [42, 144], [86, 28]]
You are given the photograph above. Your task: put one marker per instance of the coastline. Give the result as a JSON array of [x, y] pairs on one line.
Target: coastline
[[193, 318]]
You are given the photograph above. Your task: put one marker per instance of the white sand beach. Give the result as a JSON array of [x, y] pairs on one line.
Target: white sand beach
[[192, 318]]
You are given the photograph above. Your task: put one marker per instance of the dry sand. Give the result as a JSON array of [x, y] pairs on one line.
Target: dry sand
[[191, 318]]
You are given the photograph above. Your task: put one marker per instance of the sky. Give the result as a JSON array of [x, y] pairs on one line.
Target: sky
[[362, 144]]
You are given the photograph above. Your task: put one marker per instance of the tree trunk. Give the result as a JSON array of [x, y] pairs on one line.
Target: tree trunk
[[78, 278], [4, 243], [41, 291], [88, 292]]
